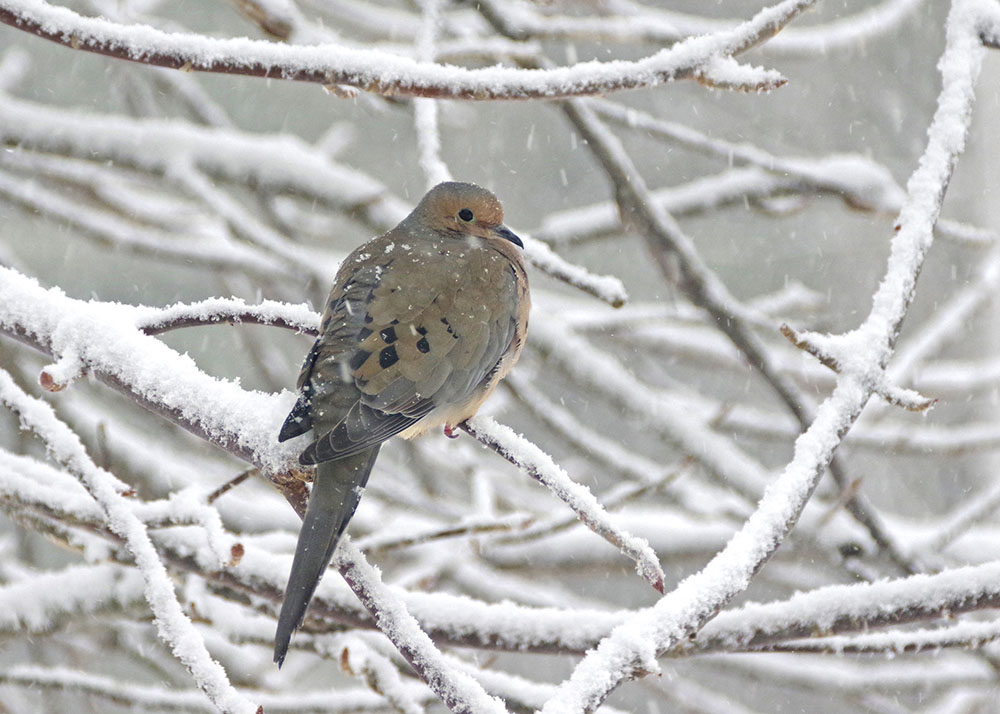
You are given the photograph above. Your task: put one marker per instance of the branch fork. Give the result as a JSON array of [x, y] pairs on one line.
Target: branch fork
[[839, 353]]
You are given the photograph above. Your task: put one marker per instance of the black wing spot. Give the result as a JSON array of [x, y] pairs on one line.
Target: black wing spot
[[388, 335], [368, 319], [423, 345], [421, 330], [363, 335], [358, 359], [388, 357]]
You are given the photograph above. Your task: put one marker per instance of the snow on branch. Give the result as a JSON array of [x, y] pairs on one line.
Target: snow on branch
[[155, 376], [104, 340], [505, 626], [360, 660], [213, 252], [963, 634], [43, 602], [460, 693], [651, 406], [673, 251], [388, 74], [88, 354], [269, 161], [28, 485], [604, 375], [450, 619], [604, 287], [598, 220], [841, 609], [631, 650], [636, 22], [273, 161], [146, 698], [540, 466], [153, 320], [949, 320], [863, 183], [833, 352], [173, 625]]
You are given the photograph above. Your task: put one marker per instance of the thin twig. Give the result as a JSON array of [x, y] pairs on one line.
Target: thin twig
[[232, 483]]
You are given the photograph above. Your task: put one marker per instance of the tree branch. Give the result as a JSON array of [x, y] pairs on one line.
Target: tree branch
[[628, 653], [537, 464], [390, 75], [173, 626]]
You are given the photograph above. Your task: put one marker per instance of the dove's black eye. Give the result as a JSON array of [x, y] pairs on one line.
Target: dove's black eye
[[465, 214]]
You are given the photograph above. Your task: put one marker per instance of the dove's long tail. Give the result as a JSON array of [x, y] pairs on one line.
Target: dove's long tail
[[336, 490]]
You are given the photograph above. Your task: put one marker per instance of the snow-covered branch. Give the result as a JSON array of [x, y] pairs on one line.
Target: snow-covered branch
[[45, 602], [300, 318], [165, 699], [461, 693], [674, 252], [631, 649], [272, 163], [173, 625], [850, 609], [131, 194], [754, 627], [152, 374], [387, 74], [533, 461], [637, 22]]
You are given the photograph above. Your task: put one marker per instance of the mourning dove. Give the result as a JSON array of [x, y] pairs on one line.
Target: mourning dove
[[420, 326]]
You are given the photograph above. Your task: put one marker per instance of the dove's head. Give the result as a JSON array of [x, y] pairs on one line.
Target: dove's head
[[463, 209]]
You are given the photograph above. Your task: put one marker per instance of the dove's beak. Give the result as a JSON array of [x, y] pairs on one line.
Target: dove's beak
[[507, 234]]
